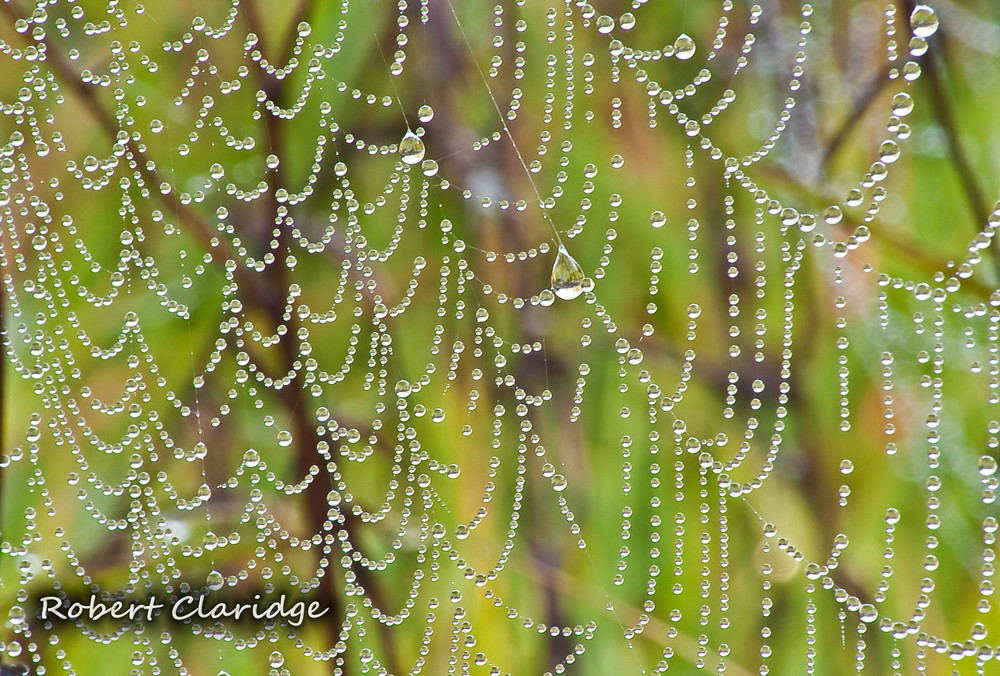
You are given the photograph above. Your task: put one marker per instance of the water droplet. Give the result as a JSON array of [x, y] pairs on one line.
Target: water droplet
[[425, 113], [684, 47], [482, 314], [217, 171], [867, 613], [627, 21], [833, 215], [605, 24], [923, 21], [846, 467], [987, 465], [567, 275], [251, 458], [17, 615], [657, 219], [284, 438], [156, 126], [429, 167], [902, 104], [403, 388], [276, 659], [888, 152], [411, 148], [215, 580]]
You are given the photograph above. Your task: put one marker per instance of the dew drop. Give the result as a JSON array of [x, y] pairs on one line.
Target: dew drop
[[684, 47], [411, 148], [833, 215], [567, 275], [902, 104], [605, 24], [425, 113], [251, 458], [217, 171], [156, 126], [429, 167], [403, 388], [276, 659], [17, 615], [284, 438], [888, 152], [215, 580], [923, 21], [657, 219], [627, 21], [987, 465]]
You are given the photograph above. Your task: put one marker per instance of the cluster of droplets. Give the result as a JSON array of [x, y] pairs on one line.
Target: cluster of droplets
[[401, 372]]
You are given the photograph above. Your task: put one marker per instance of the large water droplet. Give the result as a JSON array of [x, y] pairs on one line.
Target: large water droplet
[[684, 47], [411, 148], [215, 580], [605, 24], [987, 465], [923, 21], [251, 458], [425, 113], [567, 275], [902, 104]]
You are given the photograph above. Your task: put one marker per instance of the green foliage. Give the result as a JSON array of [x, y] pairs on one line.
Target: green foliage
[[244, 337]]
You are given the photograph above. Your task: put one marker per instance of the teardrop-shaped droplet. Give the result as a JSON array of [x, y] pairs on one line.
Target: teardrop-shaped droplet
[[684, 47], [567, 275], [251, 458], [923, 21], [411, 148], [215, 580]]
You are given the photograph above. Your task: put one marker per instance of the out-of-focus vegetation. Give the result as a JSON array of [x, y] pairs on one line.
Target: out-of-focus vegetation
[[244, 338]]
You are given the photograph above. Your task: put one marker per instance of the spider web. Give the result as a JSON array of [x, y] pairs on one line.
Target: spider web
[[517, 338]]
